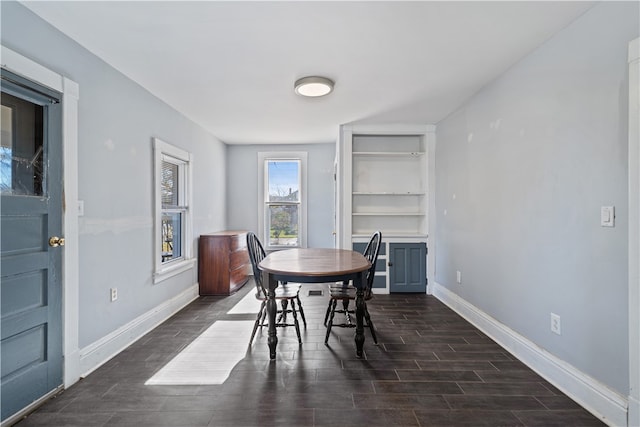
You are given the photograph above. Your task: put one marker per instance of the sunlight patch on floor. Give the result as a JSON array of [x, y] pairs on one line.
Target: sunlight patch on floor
[[247, 305], [210, 358]]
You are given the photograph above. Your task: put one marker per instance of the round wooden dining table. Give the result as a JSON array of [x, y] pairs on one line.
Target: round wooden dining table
[[314, 265]]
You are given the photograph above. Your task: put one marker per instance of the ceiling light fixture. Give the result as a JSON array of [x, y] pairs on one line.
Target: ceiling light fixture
[[313, 86]]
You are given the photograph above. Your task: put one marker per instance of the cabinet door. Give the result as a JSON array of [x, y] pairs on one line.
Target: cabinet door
[[407, 267]]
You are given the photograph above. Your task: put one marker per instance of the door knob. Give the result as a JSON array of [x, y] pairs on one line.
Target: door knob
[[390, 264], [56, 241]]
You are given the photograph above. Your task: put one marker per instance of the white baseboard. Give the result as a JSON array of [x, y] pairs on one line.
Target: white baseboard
[[597, 398], [96, 354]]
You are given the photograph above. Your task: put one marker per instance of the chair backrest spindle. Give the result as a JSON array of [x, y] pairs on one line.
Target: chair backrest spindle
[[371, 254], [256, 254]]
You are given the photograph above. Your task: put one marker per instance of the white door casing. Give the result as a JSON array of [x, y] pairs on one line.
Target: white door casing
[[633, 416], [33, 71]]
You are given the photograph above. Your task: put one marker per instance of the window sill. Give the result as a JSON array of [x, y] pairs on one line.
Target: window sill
[[282, 248], [174, 269]]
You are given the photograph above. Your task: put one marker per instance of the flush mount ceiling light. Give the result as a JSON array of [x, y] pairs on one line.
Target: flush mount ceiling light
[[313, 86]]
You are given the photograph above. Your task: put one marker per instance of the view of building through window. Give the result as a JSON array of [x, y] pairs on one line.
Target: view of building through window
[[283, 202]]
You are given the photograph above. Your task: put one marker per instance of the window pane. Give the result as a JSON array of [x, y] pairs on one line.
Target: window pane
[[283, 225], [21, 149], [5, 168], [171, 236], [283, 177], [169, 184]]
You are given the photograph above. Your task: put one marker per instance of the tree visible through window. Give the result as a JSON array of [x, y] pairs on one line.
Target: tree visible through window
[[172, 211], [283, 202]]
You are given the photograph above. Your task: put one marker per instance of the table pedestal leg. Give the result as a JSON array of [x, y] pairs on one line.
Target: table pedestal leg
[[272, 340], [359, 321]]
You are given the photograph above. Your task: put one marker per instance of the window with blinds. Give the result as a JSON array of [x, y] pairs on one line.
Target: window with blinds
[[173, 208], [173, 214]]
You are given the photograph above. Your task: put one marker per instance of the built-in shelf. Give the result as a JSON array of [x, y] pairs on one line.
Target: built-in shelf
[[385, 187], [388, 193], [388, 185], [389, 235], [389, 153], [388, 213]]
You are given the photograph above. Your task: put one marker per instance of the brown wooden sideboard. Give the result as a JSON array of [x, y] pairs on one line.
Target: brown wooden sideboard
[[223, 262]]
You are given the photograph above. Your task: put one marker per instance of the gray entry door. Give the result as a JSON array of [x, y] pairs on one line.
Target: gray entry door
[[30, 265]]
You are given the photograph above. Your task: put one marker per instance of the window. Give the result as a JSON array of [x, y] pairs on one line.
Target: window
[[283, 199], [21, 148], [173, 212], [6, 148]]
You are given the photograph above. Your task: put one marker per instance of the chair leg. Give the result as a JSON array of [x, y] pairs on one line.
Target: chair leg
[[295, 320], [370, 324], [261, 314], [332, 303], [264, 316], [326, 315], [285, 310], [301, 311], [345, 307]]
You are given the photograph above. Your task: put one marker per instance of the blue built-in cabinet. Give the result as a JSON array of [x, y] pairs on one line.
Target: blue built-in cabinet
[[403, 264], [407, 267]]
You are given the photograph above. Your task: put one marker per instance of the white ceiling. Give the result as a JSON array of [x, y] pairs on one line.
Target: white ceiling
[[230, 66]]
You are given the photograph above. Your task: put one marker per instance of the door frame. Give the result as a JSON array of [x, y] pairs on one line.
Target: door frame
[[37, 73], [633, 415]]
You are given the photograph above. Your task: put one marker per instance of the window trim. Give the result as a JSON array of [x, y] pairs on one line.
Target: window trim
[[300, 156], [163, 271]]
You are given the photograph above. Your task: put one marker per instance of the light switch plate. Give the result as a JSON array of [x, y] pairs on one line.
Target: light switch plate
[[607, 216]]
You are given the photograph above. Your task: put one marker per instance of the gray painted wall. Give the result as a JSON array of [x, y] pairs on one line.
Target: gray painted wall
[[242, 190], [521, 173], [117, 120]]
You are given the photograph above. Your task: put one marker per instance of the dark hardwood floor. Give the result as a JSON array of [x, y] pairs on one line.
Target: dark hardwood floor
[[431, 368]]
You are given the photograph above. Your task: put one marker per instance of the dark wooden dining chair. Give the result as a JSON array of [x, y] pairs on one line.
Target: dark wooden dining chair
[[287, 294], [346, 292]]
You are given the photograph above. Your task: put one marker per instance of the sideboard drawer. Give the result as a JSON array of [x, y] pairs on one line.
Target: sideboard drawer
[[239, 258], [223, 262]]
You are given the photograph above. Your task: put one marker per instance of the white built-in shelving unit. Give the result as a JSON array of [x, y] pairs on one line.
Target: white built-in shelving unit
[[385, 183], [388, 185]]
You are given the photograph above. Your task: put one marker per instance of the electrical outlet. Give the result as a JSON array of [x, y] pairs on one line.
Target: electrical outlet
[[555, 324], [114, 294], [458, 277]]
